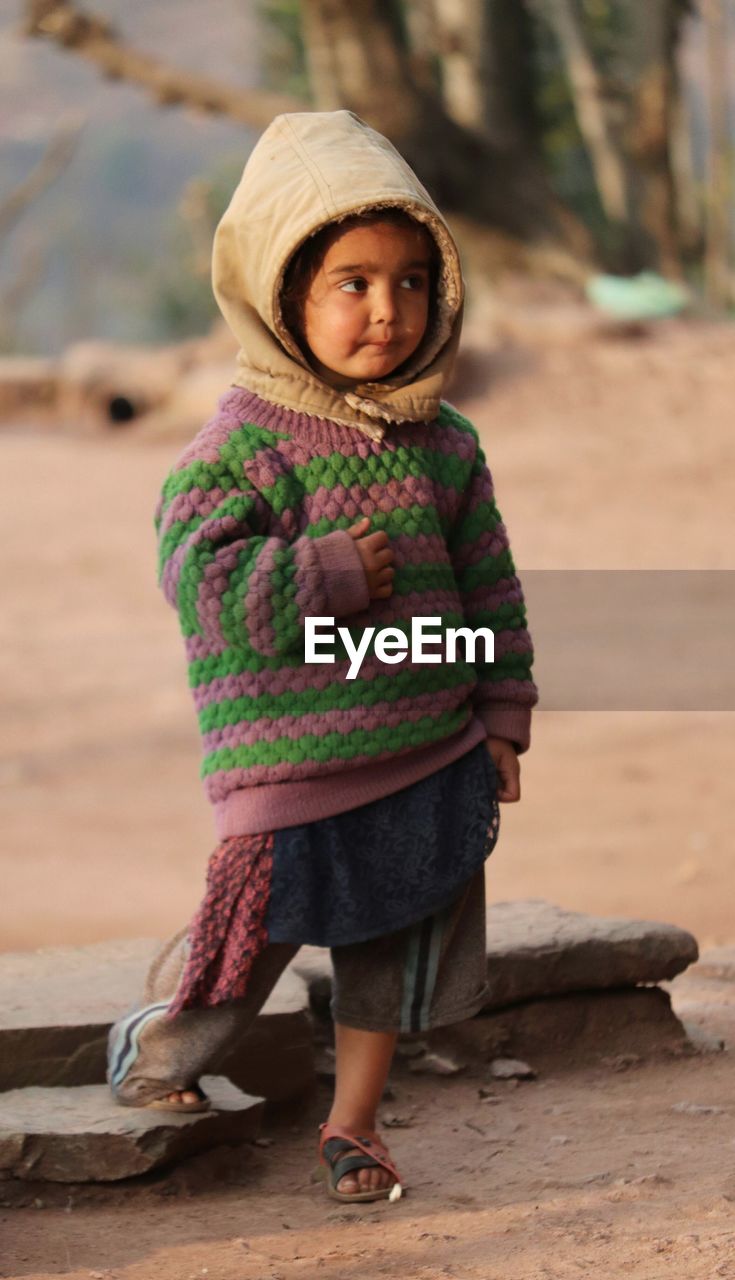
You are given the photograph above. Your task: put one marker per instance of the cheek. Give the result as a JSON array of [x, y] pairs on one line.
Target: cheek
[[334, 324]]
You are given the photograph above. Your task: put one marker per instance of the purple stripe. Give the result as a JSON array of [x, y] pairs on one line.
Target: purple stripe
[[424, 549], [212, 530], [491, 542], [259, 599], [331, 503], [504, 591], [387, 715], [521, 693], [218, 786], [214, 583], [322, 436], [311, 595], [197, 502], [512, 642]]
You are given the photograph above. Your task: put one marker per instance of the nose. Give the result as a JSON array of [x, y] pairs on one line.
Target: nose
[[384, 309]]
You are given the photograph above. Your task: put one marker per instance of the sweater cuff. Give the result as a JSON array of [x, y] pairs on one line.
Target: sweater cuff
[[345, 582], [507, 720]]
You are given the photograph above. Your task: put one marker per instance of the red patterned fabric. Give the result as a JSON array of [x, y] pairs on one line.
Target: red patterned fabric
[[228, 930]]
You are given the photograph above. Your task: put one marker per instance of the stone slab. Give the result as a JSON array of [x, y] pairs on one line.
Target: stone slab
[[58, 1003], [536, 949], [569, 1030], [81, 1135]]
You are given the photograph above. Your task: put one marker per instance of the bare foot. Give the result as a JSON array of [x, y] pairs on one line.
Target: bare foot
[[364, 1179], [182, 1096]]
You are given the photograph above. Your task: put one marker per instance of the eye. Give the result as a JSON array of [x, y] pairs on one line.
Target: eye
[[358, 285], [414, 282]]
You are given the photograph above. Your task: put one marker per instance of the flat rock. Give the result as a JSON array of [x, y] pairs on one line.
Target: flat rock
[[58, 1003], [81, 1135], [568, 1031], [536, 949]]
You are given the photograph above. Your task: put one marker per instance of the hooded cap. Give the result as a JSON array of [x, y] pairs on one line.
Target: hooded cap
[[308, 169]]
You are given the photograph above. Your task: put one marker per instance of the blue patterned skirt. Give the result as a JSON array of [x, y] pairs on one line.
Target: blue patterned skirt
[[386, 864]]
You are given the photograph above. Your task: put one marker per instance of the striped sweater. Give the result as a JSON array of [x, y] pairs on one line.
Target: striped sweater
[[252, 536]]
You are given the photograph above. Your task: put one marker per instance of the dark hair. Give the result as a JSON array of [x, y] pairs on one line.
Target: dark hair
[[307, 259]]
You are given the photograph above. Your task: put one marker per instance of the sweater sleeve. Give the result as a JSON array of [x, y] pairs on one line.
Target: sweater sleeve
[[234, 584], [492, 596]]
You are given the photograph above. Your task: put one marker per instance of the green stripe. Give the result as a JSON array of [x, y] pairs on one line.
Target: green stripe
[[487, 571], [334, 746], [413, 521], [240, 446], [399, 464], [335, 697]]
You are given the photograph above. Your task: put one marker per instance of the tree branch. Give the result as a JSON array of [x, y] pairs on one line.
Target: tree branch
[[98, 42], [54, 161]]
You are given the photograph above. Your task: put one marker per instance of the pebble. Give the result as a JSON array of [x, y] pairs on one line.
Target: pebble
[[697, 1109], [436, 1064], [511, 1069], [621, 1061]]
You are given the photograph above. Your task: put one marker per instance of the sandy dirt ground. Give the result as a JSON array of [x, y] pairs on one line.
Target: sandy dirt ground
[[606, 454]]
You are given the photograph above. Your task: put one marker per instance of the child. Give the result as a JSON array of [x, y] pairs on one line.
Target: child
[[334, 482]]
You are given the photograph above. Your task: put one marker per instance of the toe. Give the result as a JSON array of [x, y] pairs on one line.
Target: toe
[[349, 1184], [187, 1095]]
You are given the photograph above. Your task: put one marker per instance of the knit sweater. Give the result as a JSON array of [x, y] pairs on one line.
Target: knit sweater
[[252, 525]]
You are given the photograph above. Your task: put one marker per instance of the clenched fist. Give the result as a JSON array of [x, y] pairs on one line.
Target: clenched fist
[[376, 556]]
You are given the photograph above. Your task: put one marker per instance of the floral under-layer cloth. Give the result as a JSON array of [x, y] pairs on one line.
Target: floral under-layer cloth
[[357, 875]]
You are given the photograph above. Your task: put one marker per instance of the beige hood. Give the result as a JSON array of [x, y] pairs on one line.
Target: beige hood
[[307, 169]]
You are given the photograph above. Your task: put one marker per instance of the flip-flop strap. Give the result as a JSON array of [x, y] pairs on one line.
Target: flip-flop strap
[[343, 1165], [369, 1144]]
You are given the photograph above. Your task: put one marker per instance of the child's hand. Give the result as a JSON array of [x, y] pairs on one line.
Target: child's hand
[[508, 768], [376, 556]]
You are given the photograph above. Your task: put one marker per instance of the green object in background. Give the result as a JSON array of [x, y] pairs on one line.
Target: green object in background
[[647, 296]]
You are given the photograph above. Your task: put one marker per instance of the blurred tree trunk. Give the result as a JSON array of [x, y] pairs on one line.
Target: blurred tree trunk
[[650, 57], [358, 58], [719, 161], [591, 110], [629, 126]]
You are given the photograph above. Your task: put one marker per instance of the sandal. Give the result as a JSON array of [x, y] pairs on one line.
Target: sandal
[[333, 1140], [203, 1103]]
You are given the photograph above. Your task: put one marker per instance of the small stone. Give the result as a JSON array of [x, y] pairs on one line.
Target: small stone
[[262, 1142], [621, 1061], [697, 1109], [392, 1121], [559, 1140], [436, 1064], [511, 1069], [411, 1048], [487, 1095]]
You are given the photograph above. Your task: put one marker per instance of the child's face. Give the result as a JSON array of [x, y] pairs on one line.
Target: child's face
[[368, 305]]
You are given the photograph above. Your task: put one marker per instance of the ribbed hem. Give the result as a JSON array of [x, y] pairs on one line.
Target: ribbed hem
[[271, 807], [344, 576], [507, 720]]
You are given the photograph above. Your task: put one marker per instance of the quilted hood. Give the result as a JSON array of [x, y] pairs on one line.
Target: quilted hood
[[308, 169]]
